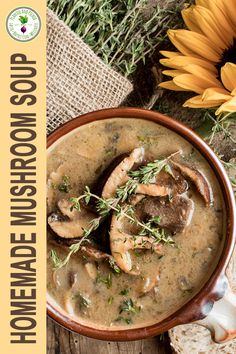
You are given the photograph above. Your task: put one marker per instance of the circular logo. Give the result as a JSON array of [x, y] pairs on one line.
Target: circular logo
[[23, 24]]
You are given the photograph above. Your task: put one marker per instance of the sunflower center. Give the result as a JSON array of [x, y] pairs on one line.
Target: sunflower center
[[228, 55]]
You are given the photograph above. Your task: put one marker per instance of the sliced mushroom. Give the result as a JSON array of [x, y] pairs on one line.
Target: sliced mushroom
[[176, 183], [54, 179], [67, 303], [70, 223], [153, 190], [94, 253], [119, 175], [136, 198], [164, 184], [174, 214], [148, 283], [121, 243], [197, 178], [72, 278], [91, 270]]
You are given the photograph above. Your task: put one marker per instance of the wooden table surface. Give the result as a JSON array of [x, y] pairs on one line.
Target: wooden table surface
[[62, 341]]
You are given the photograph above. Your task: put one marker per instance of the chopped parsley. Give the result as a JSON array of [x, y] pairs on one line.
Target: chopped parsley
[[107, 280], [110, 300], [64, 186], [124, 292], [127, 306], [83, 302], [123, 319]]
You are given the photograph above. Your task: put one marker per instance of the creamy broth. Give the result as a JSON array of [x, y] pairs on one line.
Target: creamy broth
[[95, 293]]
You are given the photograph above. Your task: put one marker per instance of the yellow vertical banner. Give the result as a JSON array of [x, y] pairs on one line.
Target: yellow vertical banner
[[22, 177]]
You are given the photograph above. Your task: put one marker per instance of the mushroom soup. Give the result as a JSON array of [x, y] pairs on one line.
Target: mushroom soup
[[136, 222]]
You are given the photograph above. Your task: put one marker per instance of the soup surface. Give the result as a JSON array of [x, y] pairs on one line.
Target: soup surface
[[104, 281]]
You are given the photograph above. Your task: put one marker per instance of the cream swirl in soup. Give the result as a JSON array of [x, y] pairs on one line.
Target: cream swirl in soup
[[136, 223]]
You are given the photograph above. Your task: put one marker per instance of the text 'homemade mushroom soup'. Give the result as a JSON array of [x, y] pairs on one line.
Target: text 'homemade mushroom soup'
[[136, 222]]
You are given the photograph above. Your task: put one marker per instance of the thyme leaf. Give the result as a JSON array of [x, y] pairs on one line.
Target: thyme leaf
[[56, 260], [123, 192]]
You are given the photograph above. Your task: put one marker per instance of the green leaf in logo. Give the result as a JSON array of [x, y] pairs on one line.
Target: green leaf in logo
[[23, 19]]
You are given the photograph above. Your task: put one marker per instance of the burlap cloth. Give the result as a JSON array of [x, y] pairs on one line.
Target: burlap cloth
[[77, 80]]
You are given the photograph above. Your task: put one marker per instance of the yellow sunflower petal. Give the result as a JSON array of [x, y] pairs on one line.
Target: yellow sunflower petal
[[191, 82], [173, 73], [180, 44], [233, 93], [216, 94], [170, 85], [229, 106], [189, 19], [194, 44], [218, 10], [179, 62], [228, 76], [203, 74], [168, 54], [204, 3], [230, 6], [197, 102], [209, 26]]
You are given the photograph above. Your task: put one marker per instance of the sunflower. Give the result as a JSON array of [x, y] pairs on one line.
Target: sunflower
[[206, 58]]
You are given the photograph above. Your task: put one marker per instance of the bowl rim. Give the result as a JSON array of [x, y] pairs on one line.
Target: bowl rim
[[200, 305]]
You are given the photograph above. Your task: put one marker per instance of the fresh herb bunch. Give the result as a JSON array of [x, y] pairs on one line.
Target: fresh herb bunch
[[121, 33]]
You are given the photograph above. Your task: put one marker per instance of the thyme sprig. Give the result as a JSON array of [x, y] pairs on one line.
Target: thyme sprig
[[222, 124], [146, 174], [104, 206], [58, 262]]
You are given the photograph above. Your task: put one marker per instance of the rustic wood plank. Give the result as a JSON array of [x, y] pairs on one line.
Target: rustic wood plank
[[62, 341]]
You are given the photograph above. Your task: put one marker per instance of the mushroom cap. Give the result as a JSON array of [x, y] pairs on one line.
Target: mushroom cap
[[68, 223]]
